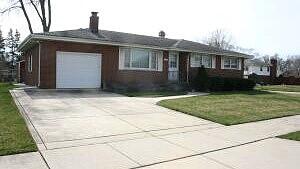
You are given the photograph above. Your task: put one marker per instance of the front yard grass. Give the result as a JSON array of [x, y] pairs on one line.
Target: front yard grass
[[14, 135], [153, 93], [231, 108], [284, 88], [291, 136]]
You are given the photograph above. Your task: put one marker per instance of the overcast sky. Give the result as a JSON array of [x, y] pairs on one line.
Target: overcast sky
[[269, 26]]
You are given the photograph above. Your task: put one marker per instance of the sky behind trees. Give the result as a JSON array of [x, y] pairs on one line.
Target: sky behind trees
[[269, 26]]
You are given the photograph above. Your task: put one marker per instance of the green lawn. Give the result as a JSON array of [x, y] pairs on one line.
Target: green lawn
[[14, 135], [153, 93], [285, 88], [231, 108], [292, 136]]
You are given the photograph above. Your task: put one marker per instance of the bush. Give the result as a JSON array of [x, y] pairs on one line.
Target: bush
[[230, 84], [221, 84], [201, 81], [216, 83]]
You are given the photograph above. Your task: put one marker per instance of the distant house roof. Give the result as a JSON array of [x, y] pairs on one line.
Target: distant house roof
[[128, 39], [256, 62]]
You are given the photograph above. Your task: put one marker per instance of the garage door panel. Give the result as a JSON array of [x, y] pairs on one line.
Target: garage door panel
[[78, 70]]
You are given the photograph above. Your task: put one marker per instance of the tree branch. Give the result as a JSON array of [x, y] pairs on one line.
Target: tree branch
[[44, 24], [36, 9], [13, 6], [26, 16], [49, 15], [10, 9]]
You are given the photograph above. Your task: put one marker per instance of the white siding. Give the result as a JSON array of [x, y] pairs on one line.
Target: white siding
[[213, 62]]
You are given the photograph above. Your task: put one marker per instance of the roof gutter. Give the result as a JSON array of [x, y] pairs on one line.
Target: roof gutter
[[91, 41], [24, 42]]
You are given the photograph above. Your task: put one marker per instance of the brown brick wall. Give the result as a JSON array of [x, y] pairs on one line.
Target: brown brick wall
[[217, 71], [48, 58], [143, 78], [183, 58], [110, 65], [111, 74], [31, 78]]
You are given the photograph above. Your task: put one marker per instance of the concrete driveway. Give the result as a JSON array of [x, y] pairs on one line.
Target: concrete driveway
[[96, 130]]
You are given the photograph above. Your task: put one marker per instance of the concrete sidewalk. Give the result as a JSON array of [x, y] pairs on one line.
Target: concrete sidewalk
[[104, 130]]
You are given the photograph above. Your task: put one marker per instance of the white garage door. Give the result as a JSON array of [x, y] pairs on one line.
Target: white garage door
[[78, 70]]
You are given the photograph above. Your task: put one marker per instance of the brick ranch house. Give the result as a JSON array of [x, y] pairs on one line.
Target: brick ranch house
[[92, 58]]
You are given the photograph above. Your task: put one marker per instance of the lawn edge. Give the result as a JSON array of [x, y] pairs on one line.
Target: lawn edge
[[216, 121], [287, 137], [30, 127]]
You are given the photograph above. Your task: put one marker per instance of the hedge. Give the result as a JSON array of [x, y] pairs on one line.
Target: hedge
[[230, 84]]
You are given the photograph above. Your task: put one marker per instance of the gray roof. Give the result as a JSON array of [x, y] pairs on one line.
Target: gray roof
[[134, 39], [256, 62]]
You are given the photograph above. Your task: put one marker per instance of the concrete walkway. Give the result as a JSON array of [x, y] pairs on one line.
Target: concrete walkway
[[283, 92], [104, 130]]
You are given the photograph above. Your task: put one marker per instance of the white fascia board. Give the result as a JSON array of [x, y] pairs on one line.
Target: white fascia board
[[91, 41], [212, 53], [24, 42]]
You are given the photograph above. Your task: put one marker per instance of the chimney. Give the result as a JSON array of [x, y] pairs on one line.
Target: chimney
[[94, 22], [162, 34], [273, 68]]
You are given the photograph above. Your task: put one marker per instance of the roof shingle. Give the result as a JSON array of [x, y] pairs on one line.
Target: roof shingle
[[134, 39]]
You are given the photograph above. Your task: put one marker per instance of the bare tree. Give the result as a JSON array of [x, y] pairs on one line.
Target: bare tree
[[220, 39], [294, 67], [266, 59], [42, 9]]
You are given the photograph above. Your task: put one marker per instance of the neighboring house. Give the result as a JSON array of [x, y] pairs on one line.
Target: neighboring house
[[259, 67], [92, 58], [256, 66]]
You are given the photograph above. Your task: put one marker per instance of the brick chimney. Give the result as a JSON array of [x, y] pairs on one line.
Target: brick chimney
[[162, 34], [273, 68], [94, 22]]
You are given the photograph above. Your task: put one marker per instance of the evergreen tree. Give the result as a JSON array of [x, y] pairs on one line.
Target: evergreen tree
[[17, 43], [12, 43], [2, 47]]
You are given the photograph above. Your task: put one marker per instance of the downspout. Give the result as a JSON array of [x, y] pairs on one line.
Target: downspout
[[39, 70], [19, 73]]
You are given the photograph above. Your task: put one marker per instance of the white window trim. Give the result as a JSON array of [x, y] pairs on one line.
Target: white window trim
[[226, 57], [212, 65], [122, 67], [30, 63]]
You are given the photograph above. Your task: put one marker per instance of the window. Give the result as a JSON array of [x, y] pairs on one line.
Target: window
[[154, 58], [234, 63], [206, 61], [127, 57], [173, 61], [29, 65], [197, 60], [231, 63], [268, 68], [141, 59]]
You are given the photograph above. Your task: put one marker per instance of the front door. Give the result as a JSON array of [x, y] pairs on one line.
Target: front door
[[173, 66]]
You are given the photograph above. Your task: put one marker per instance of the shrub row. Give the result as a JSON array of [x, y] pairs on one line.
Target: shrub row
[[203, 83], [230, 84]]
